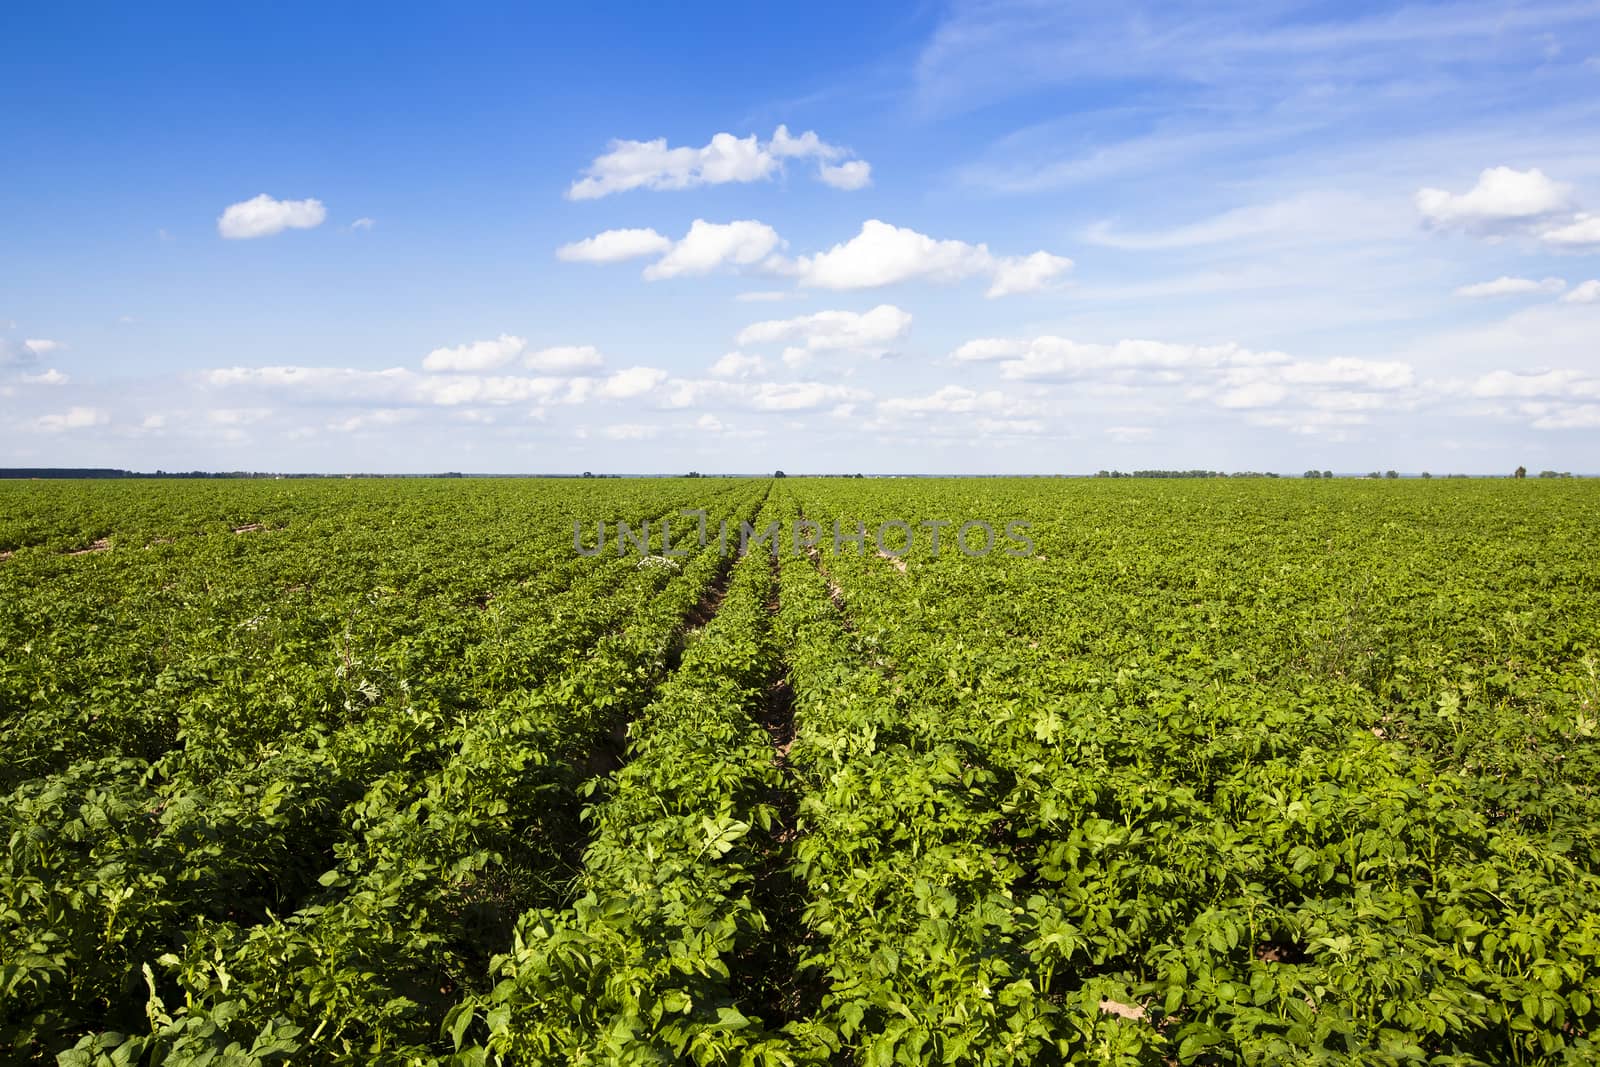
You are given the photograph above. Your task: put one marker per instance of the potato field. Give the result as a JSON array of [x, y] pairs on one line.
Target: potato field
[[1237, 771]]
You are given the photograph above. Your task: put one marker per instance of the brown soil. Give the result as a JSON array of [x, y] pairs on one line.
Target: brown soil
[[102, 545]]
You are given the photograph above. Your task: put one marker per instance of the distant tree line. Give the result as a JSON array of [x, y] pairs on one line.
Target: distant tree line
[[1185, 474]]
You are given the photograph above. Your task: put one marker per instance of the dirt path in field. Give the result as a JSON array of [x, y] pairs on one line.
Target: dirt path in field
[[774, 988], [102, 545], [835, 594], [611, 754]]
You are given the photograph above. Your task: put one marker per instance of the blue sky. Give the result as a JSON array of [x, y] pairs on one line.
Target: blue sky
[[997, 237]]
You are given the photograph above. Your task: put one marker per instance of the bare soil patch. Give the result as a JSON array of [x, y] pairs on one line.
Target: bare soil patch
[[102, 545]]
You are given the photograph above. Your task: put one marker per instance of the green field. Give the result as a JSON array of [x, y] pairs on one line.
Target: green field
[[1226, 771]]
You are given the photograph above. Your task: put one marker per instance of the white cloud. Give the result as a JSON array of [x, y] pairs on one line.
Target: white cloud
[[985, 349], [1576, 417], [1586, 293], [373, 419], [798, 396], [1546, 383], [708, 245], [1582, 232], [1047, 357], [396, 385], [1027, 274], [363, 223], [1506, 286], [1371, 374], [41, 346], [856, 174], [808, 144], [75, 418], [630, 431], [263, 216], [632, 382], [458, 390], [760, 396], [951, 399], [477, 356], [612, 246], [709, 423], [563, 359], [882, 254], [738, 365], [725, 158], [153, 422], [1502, 195], [237, 416], [1255, 395], [869, 331], [49, 377]]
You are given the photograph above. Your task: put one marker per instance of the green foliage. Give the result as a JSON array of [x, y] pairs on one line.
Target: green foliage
[[1229, 771]]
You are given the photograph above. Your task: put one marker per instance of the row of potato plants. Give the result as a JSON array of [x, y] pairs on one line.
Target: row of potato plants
[[429, 817], [225, 642], [661, 957], [1258, 859]]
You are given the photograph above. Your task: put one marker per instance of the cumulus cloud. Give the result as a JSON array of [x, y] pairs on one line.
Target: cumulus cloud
[[882, 254], [738, 365], [378, 419], [1228, 376], [477, 356], [363, 223], [1526, 385], [1058, 358], [1367, 373], [262, 216], [1501, 196], [563, 359], [950, 399], [709, 245], [797, 396], [1574, 417], [1506, 286], [1581, 234], [725, 158], [41, 346], [985, 349], [1586, 293], [856, 174], [74, 418], [760, 396], [237, 416], [632, 382], [1254, 395], [868, 332], [612, 246], [391, 387], [1027, 274], [630, 431], [49, 377], [458, 390]]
